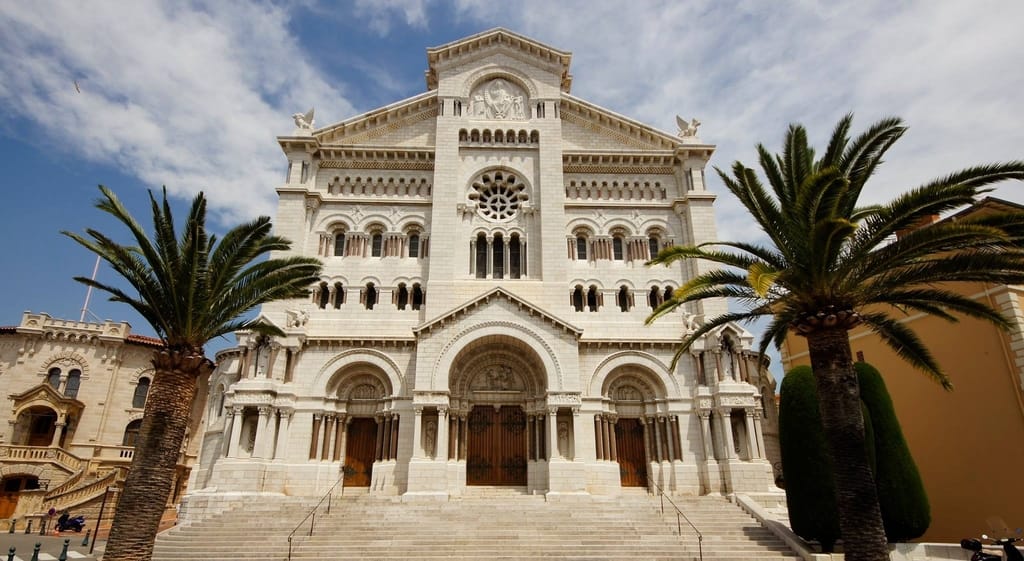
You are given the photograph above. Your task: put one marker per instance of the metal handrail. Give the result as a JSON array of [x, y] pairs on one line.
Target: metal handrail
[[312, 513], [679, 525]]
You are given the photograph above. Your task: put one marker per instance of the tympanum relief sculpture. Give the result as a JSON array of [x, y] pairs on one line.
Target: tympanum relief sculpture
[[499, 99]]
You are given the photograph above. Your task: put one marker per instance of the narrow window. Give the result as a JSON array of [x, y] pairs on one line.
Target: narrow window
[[414, 245], [141, 391], [514, 258], [581, 248], [617, 248], [325, 295], [577, 299], [376, 245], [654, 298], [592, 299], [623, 298], [668, 294], [339, 245], [131, 433], [653, 246], [481, 257], [339, 295], [371, 296], [305, 172], [220, 407], [403, 296], [53, 377], [498, 257], [417, 297], [74, 381]]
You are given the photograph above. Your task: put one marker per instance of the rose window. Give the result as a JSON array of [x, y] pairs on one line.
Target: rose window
[[498, 195]]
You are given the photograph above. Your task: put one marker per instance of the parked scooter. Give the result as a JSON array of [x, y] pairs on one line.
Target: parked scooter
[[1011, 551], [66, 522]]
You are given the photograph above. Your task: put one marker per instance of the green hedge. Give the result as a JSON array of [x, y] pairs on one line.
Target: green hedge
[[807, 469], [901, 495]]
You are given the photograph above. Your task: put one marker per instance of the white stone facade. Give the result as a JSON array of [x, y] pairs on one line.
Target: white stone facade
[[480, 318]]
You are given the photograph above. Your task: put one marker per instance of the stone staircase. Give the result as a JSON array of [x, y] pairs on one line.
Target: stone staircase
[[485, 524]]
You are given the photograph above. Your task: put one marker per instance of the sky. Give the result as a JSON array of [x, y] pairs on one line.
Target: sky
[[190, 95]]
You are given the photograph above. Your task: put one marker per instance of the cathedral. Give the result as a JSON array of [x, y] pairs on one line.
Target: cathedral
[[480, 316]]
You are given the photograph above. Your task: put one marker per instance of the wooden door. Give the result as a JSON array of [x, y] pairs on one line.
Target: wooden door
[[629, 446], [8, 502], [497, 446], [361, 443]]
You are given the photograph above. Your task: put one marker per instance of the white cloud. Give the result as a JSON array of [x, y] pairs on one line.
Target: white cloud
[[175, 95], [379, 13]]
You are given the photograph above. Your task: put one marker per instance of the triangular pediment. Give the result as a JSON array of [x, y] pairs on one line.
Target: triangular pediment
[[487, 298], [44, 394], [494, 40], [586, 126]]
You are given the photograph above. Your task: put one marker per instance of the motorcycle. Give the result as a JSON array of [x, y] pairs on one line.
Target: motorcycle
[[73, 524], [1010, 551]]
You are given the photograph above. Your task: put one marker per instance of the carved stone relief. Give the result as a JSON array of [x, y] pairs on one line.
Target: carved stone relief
[[499, 99]]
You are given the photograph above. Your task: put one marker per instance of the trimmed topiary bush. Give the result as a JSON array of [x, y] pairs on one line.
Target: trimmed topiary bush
[[807, 469], [905, 510], [810, 490]]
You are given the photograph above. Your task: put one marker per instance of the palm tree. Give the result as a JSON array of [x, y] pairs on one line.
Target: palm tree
[[829, 265], [190, 290]]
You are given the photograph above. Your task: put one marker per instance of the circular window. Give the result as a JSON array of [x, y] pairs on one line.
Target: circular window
[[499, 196]]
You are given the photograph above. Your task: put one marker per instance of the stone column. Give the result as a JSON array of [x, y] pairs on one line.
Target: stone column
[[705, 432], [670, 438], [417, 429], [284, 433], [552, 432], [442, 433], [613, 444], [58, 431], [490, 257], [505, 242], [314, 443], [726, 424], [378, 446], [464, 438], [759, 434], [236, 425], [339, 436], [385, 449], [599, 437], [260, 448], [752, 450], [658, 450], [325, 448]]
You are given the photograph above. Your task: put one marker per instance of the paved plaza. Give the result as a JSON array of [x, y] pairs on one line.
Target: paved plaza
[[50, 546]]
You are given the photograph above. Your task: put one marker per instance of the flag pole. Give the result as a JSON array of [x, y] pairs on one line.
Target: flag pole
[[88, 291]]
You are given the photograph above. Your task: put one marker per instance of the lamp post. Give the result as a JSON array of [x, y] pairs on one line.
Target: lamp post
[[99, 518]]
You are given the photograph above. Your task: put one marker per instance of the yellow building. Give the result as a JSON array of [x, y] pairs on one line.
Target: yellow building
[[968, 443]]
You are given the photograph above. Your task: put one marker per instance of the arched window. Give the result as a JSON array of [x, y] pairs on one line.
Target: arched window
[[498, 257], [417, 296], [74, 381], [515, 255], [481, 256], [220, 406], [141, 391], [581, 247], [622, 299], [339, 295], [376, 244], [131, 433], [617, 252], [654, 298], [403, 296], [653, 246], [414, 245], [53, 377], [577, 298], [668, 293], [339, 244], [370, 296], [592, 299], [324, 296]]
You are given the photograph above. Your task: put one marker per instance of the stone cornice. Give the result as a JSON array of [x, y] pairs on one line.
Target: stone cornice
[[342, 157], [485, 298], [458, 51], [626, 130]]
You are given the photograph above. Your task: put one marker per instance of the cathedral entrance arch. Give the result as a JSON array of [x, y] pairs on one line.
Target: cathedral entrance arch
[[360, 429], [633, 432], [498, 388]]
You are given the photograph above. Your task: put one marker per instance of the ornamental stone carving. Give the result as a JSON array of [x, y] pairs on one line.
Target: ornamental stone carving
[[499, 99]]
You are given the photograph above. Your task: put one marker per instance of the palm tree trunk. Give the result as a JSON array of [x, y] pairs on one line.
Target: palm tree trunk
[[157, 449], [860, 519]]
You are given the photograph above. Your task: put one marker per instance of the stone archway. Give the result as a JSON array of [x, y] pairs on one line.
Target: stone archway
[[633, 432], [498, 391]]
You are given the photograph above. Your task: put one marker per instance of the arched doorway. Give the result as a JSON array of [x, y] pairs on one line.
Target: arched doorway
[[639, 434], [497, 398], [35, 426], [360, 430], [11, 488]]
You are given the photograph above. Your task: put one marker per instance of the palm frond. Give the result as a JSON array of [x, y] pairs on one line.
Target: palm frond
[[907, 345]]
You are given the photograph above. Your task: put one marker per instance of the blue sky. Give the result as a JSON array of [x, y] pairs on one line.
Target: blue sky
[[191, 95]]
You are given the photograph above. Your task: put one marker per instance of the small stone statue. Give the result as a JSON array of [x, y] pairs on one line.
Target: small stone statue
[[304, 121], [297, 318], [687, 129]]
